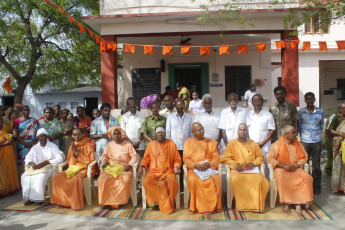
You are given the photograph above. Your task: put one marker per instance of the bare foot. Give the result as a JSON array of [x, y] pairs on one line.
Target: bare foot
[[299, 209], [286, 208], [28, 202]]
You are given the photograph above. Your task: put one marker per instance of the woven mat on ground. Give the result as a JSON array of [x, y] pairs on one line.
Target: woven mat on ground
[[128, 212]]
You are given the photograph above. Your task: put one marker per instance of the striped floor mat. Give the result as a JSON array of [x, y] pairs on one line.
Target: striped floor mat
[[128, 212]]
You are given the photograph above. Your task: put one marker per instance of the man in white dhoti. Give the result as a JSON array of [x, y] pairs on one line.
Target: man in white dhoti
[[38, 169], [261, 127]]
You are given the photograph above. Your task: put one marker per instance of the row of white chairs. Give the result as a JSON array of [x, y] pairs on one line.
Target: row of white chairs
[[89, 186]]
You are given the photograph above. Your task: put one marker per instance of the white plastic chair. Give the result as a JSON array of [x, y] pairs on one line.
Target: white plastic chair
[[185, 182], [229, 193], [50, 180], [273, 186], [88, 182], [177, 198]]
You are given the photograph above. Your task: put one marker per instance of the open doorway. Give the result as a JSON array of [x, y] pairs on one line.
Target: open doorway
[[194, 76], [91, 103]]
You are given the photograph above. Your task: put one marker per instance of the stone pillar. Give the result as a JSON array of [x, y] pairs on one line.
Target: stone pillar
[[109, 74], [289, 60]]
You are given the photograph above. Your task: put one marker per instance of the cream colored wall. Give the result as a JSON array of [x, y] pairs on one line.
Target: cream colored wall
[[157, 6], [260, 63]]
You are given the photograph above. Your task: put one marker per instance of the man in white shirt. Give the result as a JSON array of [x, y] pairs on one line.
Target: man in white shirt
[[178, 126], [248, 95], [261, 127], [230, 118], [169, 106], [209, 118], [179, 129], [38, 163], [131, 124]]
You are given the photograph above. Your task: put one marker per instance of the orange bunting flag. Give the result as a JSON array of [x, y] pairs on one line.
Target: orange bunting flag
[[111, 46], [223, 50], [71, 19], [261, 47], [294, 45], [103, 46], [306, 46], [280, 44], [82, 30], [204, 50], [242, 48], [129, 48], [90, 32], [97, 39], [185, 50], [323, 46], [7, 85], [148, 50], [167, 50], [341, 45]]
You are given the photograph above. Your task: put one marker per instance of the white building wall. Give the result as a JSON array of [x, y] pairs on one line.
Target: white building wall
[[260, 63]]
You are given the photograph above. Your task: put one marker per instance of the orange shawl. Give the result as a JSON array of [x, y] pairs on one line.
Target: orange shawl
[[284, 153]]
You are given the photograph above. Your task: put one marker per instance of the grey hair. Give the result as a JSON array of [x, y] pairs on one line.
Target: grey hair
[[209, 96], [338, 107]]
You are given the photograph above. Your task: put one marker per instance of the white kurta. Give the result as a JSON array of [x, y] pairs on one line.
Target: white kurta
[[210, 122], [229, 121], [179, 129], [259, 125], [34, 186], [248, 96], [131, 125]]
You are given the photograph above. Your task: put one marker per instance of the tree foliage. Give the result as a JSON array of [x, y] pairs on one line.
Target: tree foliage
[[39, 46], [219, 12]]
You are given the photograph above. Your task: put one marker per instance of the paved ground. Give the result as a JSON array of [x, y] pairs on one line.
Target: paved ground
[[11, 220]]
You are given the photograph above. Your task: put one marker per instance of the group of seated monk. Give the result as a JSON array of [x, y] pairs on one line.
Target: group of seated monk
[[162, 162]]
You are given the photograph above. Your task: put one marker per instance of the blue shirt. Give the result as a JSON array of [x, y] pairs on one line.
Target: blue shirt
[[310, 126]]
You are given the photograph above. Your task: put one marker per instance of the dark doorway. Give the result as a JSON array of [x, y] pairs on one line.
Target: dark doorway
[[190, 77], [8, 100], [91, 103]]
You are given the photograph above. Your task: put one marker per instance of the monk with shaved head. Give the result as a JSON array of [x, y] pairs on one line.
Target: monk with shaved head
[[287, 156], [200, 154]]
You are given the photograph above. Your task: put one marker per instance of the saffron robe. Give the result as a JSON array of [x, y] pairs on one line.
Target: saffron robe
[[115, 191], [160, 181], [69, 192], [205, 196], [293, 187], [250, 189]]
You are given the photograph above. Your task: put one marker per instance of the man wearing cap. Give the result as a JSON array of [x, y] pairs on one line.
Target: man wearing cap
[[164, 161], [38, 169], [248, 95]]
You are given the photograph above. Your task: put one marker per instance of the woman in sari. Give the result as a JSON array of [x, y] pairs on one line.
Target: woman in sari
[[82, 122], [184, 95], [53, 127], [146, 102], [67, 127], [24, 131], [337, 130], [115, 191], [8, 171]]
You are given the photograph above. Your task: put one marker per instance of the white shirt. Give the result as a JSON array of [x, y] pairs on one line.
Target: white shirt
[[165, 112], [210, 122], [131, 125], [195, 106], [38, 154], [259, 125], [248, 97], [229, 121], [179, 129]]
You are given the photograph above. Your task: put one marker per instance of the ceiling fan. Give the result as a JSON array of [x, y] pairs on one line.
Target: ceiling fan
[[182, 41]]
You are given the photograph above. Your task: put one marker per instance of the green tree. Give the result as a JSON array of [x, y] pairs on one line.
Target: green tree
[[219, 12], [39, 46]]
